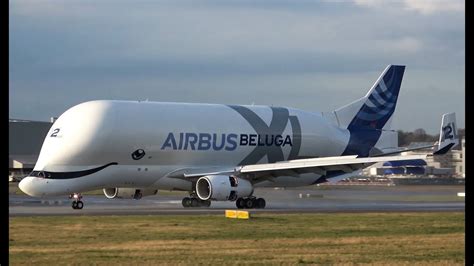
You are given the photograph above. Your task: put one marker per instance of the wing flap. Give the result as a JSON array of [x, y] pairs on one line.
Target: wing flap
[[347, 163]]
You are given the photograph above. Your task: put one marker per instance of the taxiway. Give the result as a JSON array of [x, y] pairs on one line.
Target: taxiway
[[321, 199]]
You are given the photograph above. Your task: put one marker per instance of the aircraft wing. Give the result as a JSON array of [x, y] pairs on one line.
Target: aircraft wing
[[321, 166], [345, 163], [268, 171], [405, 150]]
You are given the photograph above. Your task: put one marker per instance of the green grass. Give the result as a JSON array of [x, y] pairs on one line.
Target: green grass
[[375, 238]]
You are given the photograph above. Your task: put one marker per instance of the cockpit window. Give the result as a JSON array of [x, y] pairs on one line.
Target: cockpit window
[[38, 174]]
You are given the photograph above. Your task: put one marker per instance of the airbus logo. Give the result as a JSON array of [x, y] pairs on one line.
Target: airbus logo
[[217, 142]]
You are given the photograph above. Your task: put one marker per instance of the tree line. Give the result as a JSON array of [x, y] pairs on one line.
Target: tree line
[[420, 135]]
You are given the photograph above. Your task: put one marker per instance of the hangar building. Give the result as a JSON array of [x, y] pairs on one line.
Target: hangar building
[[25, 140]]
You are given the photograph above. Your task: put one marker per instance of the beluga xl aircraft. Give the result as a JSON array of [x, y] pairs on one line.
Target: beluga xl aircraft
[[218, 152]]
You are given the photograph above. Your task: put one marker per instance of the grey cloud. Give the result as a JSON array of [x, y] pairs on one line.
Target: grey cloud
[[312, 55]]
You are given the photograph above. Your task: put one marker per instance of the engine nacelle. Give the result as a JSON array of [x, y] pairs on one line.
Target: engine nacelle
[[222, 187], [128, 193]]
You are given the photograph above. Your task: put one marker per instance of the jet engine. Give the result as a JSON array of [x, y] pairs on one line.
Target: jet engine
[[128, 193], [222, 187]]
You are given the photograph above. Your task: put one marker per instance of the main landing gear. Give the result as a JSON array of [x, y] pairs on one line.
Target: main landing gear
[[250, 203], [195, 202], [77, 203]]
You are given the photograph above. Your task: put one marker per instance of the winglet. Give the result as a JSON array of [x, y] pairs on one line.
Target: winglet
[[448, 135]]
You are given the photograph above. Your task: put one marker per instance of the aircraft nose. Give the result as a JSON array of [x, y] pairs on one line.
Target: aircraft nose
[[26, 186]]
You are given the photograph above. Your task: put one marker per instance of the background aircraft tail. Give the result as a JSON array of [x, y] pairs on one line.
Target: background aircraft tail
[[448, 135]]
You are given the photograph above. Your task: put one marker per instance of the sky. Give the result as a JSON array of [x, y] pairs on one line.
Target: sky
[[311, 55]]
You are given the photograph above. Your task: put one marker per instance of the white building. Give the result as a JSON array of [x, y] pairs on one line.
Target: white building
[[450, 164]]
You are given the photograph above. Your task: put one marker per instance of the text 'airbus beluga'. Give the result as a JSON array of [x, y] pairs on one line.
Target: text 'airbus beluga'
[[217, 152]]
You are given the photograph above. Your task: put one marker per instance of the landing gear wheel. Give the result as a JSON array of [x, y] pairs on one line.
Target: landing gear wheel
[[206, 203], [249, 203], [76, 203], [194, 202], [260, 203], [186, 202], [138, 195], [240, 203]]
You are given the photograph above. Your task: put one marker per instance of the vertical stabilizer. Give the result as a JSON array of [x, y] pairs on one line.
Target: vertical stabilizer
[[374, 110], [369, 117], [448, 135]]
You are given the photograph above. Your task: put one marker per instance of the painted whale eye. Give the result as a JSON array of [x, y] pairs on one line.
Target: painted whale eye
[[138, 154]]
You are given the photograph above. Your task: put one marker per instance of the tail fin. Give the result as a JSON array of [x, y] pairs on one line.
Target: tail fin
[[374, 110], [448, 135]]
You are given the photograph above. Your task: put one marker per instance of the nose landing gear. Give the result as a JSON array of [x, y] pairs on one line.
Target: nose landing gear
[[77, 203]]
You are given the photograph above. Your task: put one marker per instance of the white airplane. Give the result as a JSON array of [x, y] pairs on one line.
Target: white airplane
[[217, 152]]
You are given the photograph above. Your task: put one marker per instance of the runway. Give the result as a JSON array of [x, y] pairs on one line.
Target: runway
[[315, 200]]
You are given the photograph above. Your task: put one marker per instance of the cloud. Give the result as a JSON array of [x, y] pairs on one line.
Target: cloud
[[370, 3], [313, 55], [54, 8], [432, 6], [405, 45], [425, 7]]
